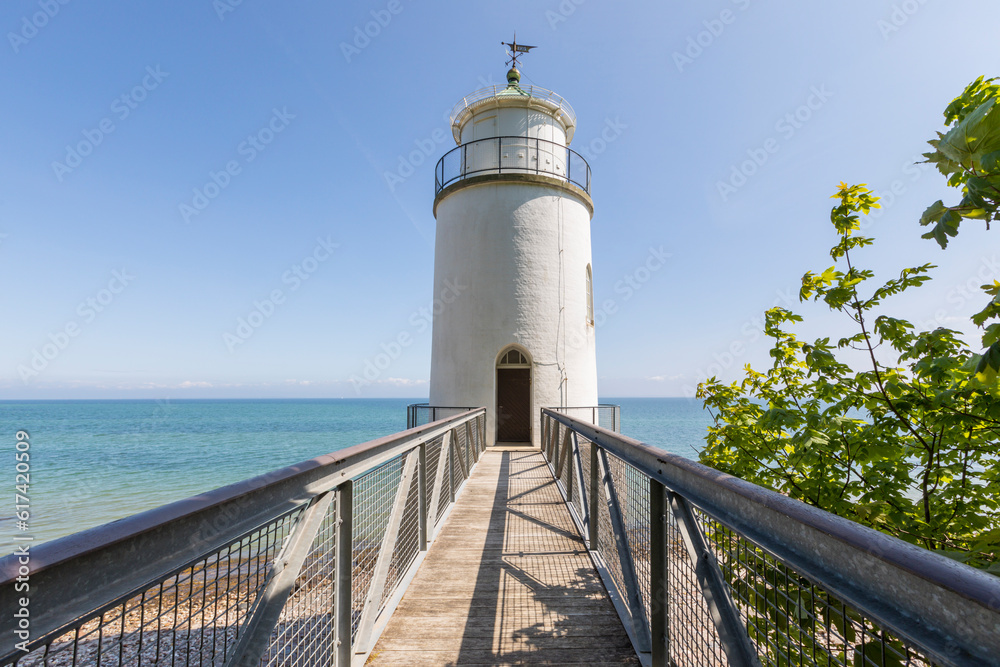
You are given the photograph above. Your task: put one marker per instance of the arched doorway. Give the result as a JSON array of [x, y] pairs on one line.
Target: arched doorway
[[513, 397]]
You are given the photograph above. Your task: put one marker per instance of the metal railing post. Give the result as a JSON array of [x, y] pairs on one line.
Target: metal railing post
[[344, 572], [481, 421], [451, 466], [581, 483], [554, 447], [595, 480], [469, 461], [422, 496], [547, 438], [571, 450], [545, 432], [658, 586]]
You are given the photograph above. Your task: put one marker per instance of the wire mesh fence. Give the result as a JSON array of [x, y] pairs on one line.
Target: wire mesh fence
[[792, 619], [731, 598], [334, 544], [193, 615], [306, 633]]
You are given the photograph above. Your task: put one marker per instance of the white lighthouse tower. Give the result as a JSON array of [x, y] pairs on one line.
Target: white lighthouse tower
[[512, 261]]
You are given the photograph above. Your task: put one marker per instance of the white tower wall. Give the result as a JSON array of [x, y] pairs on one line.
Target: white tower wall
[[518, 256]]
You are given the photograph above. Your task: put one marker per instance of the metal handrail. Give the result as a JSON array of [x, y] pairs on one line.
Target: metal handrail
[[418, 414], [781, 582], [487, 156], [235, 575], [597, 414], [531, 91]]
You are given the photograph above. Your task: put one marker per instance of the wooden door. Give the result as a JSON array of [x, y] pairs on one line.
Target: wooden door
[[513, 405]]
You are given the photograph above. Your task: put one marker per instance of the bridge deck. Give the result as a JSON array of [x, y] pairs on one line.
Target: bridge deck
[[507, 581]]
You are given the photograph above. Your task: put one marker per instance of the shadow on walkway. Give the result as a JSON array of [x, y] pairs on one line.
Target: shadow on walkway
[[508, 581]]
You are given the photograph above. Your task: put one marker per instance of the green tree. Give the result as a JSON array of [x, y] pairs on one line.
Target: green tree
[[969, 157], [909, 448]]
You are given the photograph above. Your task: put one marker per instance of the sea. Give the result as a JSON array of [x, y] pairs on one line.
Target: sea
[[95, 461]]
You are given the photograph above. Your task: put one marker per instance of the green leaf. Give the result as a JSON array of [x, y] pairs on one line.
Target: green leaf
[[992, 334], [933, 213], [990, 160], [977, 135], [872, 655]]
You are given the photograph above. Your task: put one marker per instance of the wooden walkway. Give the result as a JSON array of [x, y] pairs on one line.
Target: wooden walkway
[[507, 581]]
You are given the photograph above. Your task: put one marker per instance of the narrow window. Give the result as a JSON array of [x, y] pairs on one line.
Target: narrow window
[[590, 296]]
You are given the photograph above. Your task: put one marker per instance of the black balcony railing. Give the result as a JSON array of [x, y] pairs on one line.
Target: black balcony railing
[[512, 155]]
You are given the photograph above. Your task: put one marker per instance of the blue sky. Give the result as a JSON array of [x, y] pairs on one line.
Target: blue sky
[[167, 171]]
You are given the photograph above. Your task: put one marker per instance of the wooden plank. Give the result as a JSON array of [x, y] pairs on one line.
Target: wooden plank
[[460, 607], [506, 581], [582, 656], [534, 641]]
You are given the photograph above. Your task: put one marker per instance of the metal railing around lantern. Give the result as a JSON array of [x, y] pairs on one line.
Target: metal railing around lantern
[[512, 155]]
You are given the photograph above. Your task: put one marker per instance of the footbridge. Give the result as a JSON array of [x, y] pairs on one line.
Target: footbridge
[[429, 548]]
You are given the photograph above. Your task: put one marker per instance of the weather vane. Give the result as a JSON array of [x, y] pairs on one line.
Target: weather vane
[[515, 50]]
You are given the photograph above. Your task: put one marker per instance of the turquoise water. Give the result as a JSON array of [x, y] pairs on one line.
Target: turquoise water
[[97, 461]]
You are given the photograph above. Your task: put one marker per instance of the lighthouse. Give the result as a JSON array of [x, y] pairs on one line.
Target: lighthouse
[[515, 329]]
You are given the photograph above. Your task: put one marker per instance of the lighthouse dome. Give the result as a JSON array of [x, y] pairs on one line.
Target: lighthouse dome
[[513, 110]]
